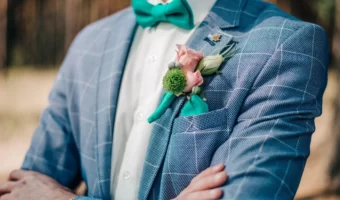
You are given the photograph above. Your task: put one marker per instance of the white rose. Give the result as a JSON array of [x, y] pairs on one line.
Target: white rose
[[210, 64]]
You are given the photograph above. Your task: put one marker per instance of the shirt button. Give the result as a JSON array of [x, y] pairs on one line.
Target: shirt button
[[140, 116], [152, 58], [126, 175]]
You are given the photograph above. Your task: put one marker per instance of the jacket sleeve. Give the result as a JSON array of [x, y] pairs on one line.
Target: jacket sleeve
[[268, 147], [53, 151]]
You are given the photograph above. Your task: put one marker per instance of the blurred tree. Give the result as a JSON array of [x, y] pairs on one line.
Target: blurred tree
[[40, 31], [327, 14], [284, 5], [35, 31], [315, 11], [335, 168], [79, 13], [3, 31]]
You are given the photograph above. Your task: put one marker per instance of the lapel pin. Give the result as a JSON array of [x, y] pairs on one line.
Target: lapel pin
[[215, 37], [207, 39]]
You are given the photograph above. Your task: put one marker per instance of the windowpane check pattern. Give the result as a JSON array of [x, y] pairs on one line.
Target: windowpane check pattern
[[262, 108]]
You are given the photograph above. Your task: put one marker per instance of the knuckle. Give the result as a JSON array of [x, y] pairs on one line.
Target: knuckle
[[27, 179], [22, 182], [13, 173], [209, 179]]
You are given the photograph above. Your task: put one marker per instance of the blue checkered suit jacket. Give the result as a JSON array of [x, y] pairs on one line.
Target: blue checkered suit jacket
[[262, 108]]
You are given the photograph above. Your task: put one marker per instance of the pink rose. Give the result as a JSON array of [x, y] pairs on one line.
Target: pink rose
[[189, 59], [193, 79]]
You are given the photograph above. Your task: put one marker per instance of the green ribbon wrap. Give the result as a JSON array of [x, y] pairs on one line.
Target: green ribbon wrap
[[194, 106]]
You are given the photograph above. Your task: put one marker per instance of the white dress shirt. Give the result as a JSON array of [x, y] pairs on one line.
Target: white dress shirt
[[140, 93]]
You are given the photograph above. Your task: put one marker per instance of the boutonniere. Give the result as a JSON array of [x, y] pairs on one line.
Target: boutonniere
[[185, 77]]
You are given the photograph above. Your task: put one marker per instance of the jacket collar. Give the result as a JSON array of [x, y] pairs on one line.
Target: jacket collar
[[226, 16]]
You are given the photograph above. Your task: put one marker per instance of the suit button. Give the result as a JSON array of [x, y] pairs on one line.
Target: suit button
[[140, 116], [126, 175], [152, 58]]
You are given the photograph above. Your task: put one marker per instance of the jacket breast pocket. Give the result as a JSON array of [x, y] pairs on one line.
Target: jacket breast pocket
[[194, 141], [209, 120]]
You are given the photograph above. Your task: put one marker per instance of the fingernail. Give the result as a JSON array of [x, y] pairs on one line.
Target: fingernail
[[214, 192]]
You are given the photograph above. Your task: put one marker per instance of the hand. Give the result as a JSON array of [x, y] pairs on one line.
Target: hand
[[28, 185], [205, 185]]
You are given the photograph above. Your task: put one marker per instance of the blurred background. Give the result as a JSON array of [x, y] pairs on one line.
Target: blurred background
[[35, 35]]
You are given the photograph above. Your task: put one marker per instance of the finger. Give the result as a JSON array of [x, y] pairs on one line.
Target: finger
[[19, 174], [5, 197], [209, 171], [6, 187], [208, 182], [213, 194]]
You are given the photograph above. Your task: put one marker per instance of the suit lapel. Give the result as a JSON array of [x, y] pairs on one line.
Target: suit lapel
[[219, 20], [111, 71]]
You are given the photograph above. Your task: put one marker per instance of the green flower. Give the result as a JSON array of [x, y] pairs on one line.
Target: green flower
[[174, 81]]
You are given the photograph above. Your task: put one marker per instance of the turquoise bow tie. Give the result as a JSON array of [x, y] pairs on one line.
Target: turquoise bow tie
[[178, 12]]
